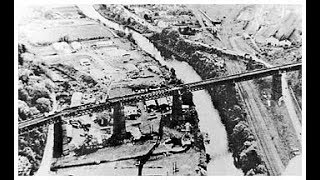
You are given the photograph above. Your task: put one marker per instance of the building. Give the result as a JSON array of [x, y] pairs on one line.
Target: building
[[151, 105], [131, 112], [76, 99], [185, 108], [163, 104], [285, 43], [272, 41]]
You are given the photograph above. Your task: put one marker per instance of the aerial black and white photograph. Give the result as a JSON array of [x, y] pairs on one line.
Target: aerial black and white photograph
[[159, 89]]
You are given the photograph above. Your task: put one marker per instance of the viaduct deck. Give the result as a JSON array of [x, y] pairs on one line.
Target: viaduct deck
[[163, 92]]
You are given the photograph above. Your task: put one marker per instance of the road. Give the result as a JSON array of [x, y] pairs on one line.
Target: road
[[44, 169], [46, 161]]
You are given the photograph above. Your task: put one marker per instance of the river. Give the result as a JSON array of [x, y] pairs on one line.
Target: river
[[210, 122], [222, 161]]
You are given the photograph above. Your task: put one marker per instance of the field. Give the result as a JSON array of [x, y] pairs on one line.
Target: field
[[50, 33]]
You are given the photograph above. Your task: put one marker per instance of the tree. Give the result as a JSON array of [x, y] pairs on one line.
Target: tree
[[65, 38], [260, 169], [23, 94], [43, 104], [48, 84], [24, 75], [23, 110], [21, 49], [240, 134], [88, 79], [24, 166], [187, 98], [38, 69], [34, 111], [249, 159], [37, 91]]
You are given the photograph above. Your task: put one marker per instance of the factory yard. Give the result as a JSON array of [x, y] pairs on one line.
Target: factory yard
[[75, 55]]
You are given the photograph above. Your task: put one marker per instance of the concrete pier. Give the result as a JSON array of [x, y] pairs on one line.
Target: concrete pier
[[119, 124]]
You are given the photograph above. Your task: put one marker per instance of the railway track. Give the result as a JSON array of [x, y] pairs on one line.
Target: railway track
[[163, 92], [257, 121]]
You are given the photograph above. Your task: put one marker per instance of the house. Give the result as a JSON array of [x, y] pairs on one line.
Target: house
[[272, 41], [185, 108], [131, 112], [163, 104], [285, 43], [151, 105]]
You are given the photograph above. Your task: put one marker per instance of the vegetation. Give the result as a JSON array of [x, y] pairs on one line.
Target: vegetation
[[34, 98], [30, 149], [224, 97]]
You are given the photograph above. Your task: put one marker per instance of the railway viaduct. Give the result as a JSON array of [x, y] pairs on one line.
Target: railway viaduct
[[118, 102]]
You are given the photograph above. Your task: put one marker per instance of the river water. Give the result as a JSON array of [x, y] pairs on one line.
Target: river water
[[210, 122]]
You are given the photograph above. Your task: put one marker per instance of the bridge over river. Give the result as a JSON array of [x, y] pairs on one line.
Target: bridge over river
[[117, 102]]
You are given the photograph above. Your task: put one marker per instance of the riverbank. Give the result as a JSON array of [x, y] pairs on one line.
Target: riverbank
[[150, 49], [225, 99]]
